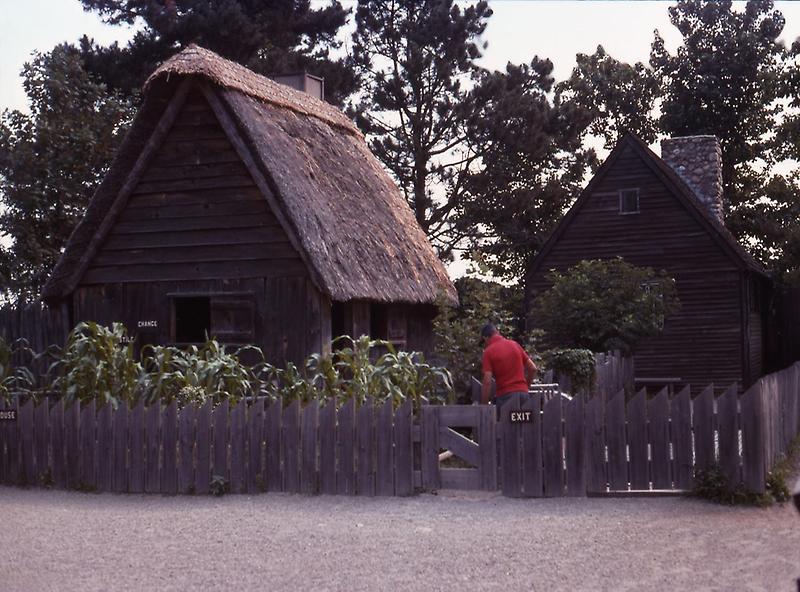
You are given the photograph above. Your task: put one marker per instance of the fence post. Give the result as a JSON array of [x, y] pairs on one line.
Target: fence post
[[753, 433], [431, 479]]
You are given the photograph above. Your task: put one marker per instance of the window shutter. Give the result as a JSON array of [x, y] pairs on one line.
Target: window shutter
[[233, 318]]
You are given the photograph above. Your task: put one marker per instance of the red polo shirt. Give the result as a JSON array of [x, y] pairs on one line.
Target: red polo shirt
[[505, 359]]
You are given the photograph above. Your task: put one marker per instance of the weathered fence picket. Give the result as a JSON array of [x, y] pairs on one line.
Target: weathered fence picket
[[532, 464], [237, 448], [552, 448], [119, 480], [658, 434], [88, 447], [202, 470], [255, 437], [169, 445], [327, 449], [186, 481], [104, 448], [636, 428], [136, 476]]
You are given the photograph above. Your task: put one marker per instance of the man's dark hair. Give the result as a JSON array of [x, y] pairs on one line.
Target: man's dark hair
[[488, 330]]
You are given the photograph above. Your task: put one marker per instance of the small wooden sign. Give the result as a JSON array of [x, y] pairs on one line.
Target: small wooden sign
[[8, 415], [521, 416]]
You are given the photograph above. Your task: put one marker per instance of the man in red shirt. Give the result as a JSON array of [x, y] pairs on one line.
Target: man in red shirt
[[509, 365]]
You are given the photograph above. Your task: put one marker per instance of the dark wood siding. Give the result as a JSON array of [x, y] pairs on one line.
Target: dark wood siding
[[196, 224], [703, 342], [195, 214], [291, 317]]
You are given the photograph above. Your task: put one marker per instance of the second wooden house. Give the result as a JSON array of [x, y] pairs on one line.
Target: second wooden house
[[667, 213], [244, 209]]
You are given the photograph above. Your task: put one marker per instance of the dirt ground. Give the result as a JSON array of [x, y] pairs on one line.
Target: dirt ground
[[53, 540]]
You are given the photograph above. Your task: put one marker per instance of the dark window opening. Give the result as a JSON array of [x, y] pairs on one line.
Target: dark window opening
[[339, 319], [629, 201], [192, 319], [378, 321]]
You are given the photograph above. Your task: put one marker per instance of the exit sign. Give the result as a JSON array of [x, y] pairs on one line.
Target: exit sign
[[521, 416]]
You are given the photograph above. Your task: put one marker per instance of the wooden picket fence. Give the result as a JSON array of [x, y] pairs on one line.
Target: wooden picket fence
[[570, 447], [365, 451]]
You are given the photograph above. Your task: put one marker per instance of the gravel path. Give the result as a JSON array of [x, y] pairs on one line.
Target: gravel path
[[53, 540]]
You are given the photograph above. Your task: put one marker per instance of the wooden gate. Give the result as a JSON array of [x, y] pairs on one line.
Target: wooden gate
[[475, 444]]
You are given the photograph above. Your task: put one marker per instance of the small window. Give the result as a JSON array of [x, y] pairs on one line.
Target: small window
[[192, 317], [227, 317], [629, 201]]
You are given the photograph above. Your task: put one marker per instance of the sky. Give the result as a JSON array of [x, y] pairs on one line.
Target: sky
[[518, 30]]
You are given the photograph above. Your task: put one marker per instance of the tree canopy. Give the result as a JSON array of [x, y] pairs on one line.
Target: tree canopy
[[51, 161], [265, 35]]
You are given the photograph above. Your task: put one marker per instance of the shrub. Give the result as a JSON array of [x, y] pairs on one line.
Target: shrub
[[605, 305], [576, 364]]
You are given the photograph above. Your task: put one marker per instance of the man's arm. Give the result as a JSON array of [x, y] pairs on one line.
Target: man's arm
[[486, 388], [530, 370]]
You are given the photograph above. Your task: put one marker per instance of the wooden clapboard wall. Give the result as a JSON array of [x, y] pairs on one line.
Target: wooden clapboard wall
[[196, 223]]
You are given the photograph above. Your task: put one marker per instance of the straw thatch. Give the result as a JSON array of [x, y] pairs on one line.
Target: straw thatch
[[350, 219]]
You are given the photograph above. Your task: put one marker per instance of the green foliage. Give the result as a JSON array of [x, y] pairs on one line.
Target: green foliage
[[412, 58], [604, 305], [725, 80], [194, 374], [457, 329], [97, 362], [267, 36], [532, 165], [782, 469], [51, 161], [14, 378], [576, 364], [354, 372], [712, 484], [219, 485], [618, 96]]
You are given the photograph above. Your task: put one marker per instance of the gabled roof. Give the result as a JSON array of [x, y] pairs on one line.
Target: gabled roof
[[721, 235], [351, 223]]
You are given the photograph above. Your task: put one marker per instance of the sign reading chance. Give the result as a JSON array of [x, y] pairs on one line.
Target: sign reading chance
[[521, 416]]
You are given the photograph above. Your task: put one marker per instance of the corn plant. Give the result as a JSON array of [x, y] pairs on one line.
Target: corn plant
[[194, 374], [14, 378], [97, 362]]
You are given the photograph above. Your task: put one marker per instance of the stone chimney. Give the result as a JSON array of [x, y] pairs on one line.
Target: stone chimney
[[698, 161], [313, 85]]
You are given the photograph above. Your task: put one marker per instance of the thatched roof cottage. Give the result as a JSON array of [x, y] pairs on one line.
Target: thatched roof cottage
[[255, 212]]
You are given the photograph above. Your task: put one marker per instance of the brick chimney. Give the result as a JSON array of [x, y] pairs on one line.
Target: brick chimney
[[313, 85], [698, 161]]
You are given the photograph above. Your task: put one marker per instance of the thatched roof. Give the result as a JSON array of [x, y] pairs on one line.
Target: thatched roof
[[356, 230]]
